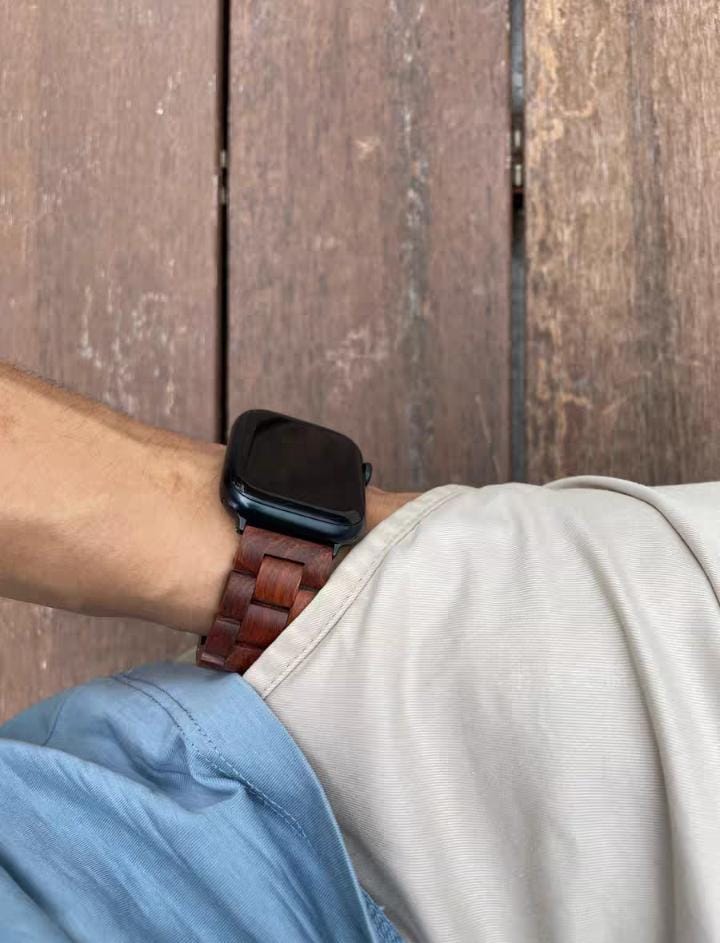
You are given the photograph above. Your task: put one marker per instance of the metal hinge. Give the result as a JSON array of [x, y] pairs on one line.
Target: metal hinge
[[517, 155], [222, 177]]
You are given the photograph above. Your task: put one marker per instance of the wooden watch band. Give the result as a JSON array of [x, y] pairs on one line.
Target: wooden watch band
[[272, 580]]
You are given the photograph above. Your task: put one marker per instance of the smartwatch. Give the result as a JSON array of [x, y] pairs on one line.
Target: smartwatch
[[297, 494]]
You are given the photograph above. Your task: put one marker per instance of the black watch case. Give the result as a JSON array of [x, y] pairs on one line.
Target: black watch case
[[294, 477]]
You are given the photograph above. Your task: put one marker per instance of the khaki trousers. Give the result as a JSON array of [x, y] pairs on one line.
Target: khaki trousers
[[512, 698]]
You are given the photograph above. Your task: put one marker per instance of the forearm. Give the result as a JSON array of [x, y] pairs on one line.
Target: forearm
[[104, 515]]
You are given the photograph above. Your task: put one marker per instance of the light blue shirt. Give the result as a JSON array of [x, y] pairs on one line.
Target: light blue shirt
[[169, 804]]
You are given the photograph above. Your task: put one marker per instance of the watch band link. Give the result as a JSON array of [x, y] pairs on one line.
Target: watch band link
[[272, 580]]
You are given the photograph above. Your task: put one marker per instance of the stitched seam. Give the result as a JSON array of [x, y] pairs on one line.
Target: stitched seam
[[56, 718], [353, 593], [224, 765], [387, 932]]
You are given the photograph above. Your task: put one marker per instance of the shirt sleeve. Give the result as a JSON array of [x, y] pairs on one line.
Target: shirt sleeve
[[169, 804], [524, 690]]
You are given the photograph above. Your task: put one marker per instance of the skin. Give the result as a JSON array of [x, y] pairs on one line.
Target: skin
[[103, 515]]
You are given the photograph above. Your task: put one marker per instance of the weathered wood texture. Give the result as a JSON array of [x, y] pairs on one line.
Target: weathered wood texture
[[370, 227], [623, 217], [107, 254]]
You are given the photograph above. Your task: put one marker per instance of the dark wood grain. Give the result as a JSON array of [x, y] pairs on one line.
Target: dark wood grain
[[107, 254], [273, 578], [369, 227], [623, 212]]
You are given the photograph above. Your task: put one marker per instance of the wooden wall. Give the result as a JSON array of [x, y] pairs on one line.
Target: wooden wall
[[623, 239], [359, 273], [370, 227]]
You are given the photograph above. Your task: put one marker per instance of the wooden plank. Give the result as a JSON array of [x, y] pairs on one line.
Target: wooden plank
[[623, 215], [370, 227], [107, 254]]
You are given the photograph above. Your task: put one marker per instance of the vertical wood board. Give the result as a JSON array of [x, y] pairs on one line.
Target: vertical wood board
[[623, 245], [369, 228]]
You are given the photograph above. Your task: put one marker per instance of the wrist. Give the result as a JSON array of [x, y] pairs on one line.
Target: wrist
[[184, 538], [381, 504], [193, 539], [124, 519]]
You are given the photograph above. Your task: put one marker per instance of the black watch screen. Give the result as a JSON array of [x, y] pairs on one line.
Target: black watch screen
[[294, 477]]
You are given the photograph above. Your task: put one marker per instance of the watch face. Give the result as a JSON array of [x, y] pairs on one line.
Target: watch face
[[293, 476]]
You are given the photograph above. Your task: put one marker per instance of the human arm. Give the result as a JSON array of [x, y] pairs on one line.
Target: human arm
[[104, 515]]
